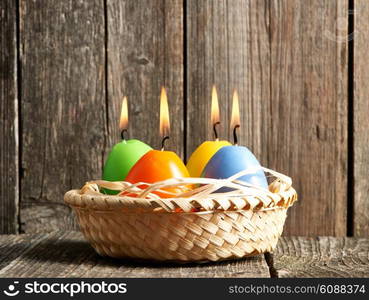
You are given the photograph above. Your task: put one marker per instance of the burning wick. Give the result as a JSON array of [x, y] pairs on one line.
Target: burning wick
[[164, 118], [123, 122], [214, 111], [235, 139], [235, 119], [123, 133], [163, 142], [215, 130]]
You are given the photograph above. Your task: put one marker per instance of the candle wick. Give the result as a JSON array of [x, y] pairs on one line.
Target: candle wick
[[215, 130], [235, 139], [122, 134], [163, 142]]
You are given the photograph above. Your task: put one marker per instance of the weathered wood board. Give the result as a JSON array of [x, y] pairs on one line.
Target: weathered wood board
[[228, 45], [289, 61], [292, 83], [145, 52], [322, 257], [307, 139], [360, 119], [63, 106], [61, 254], [67, 254], [12, 246], [9, 142]]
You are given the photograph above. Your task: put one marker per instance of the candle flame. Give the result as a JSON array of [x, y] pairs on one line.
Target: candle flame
[[214, 106], [235, 119], [123, 123], [164, 114]]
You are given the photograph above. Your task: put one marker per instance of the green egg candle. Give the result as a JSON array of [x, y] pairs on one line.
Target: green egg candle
[[124, 155]]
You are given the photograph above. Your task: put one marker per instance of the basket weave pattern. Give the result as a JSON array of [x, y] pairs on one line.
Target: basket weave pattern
[[242, 222]]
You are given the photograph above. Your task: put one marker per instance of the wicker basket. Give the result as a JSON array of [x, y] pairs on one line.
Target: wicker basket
[[198, 225]]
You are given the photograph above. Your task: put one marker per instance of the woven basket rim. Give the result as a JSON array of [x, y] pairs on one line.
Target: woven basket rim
[[202, 212], [242, 197]]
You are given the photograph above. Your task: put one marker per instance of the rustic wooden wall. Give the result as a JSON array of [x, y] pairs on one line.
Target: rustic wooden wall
[[292, 82], [9, 116], [359, 131], [145, 52], [308, 136], [65, 66], [228, 45], [63, 108]]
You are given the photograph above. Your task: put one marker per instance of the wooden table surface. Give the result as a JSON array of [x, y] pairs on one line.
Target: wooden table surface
[[67, 254]]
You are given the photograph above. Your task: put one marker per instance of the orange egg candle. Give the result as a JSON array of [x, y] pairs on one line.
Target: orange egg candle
[[158, 165], [201, 156]]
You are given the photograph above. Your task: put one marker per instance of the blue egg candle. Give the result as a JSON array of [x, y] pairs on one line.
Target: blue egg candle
[[230, 160]]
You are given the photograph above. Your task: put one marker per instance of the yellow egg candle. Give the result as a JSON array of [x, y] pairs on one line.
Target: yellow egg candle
[[201, 156]]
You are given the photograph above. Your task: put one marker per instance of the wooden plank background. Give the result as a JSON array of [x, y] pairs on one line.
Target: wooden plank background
[[63, 108], [292, 82], [145, 52], [361, 113], [308, 136], [9, 114], [65, 66]]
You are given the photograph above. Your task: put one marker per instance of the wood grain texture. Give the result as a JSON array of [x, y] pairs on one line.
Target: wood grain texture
[[63, 106], [322, 257], [228, 45], [12, 246], [307, 139], [145, 52], [290, 71], [287, 59], [360, 114], [9, 154], [67, 254]]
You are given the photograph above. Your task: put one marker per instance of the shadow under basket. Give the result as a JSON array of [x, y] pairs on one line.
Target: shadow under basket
[[199, 224]]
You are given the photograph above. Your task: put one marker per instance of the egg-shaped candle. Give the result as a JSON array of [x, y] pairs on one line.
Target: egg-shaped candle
[[230, 160], [159, 165], [201, 156], [124, 154]]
